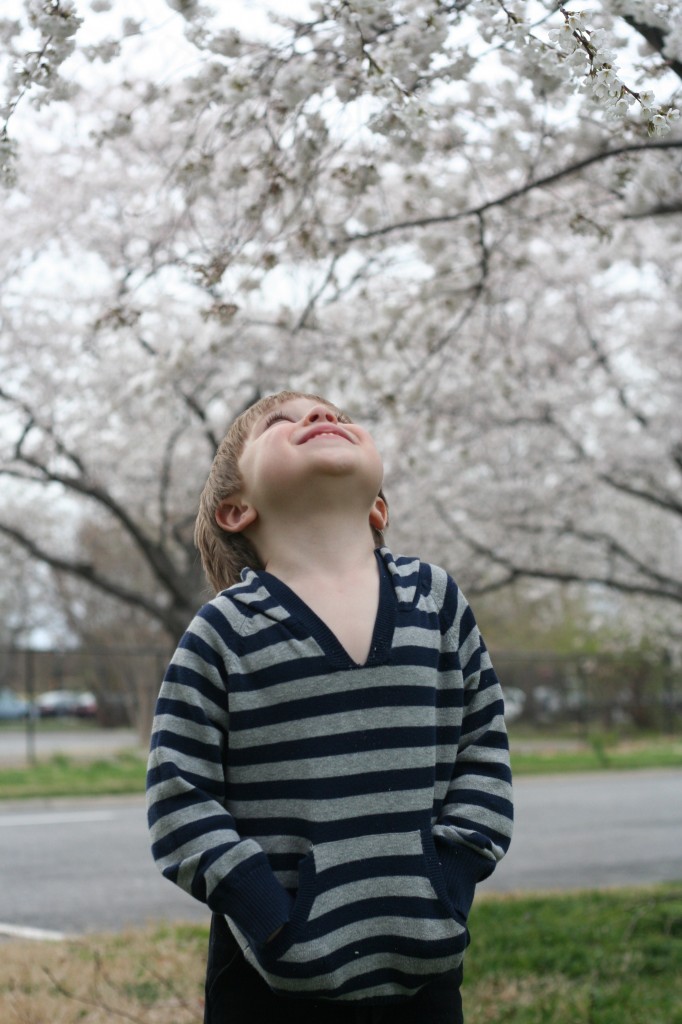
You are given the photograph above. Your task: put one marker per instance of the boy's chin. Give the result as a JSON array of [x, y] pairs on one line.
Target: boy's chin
[[334, 484]]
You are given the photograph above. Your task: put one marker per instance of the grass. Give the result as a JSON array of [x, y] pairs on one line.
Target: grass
[[149, 976], [598, 752], [124, 772], [611, 957]]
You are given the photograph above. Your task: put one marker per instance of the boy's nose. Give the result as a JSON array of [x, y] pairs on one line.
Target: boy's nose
[[321, 413]]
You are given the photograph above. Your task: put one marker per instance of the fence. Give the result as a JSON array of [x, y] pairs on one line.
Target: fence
[[633, 690], [125, 681], [637, 691]]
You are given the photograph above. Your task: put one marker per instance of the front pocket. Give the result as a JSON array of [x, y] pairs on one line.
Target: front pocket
[[305, 897], [436, 877], [369, 907]]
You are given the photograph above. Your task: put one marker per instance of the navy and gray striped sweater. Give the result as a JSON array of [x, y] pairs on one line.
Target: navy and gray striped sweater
[[354, 806]]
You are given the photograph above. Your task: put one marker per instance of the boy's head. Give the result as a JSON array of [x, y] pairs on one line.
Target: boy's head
[[224, 554]]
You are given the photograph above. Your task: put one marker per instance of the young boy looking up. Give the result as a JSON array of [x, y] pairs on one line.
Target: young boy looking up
[[329, 767]]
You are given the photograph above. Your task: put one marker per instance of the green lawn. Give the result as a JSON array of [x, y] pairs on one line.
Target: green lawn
[[588, 958], [65, 776], [592, 958], [608, 957], [598, 753], [124, 773]]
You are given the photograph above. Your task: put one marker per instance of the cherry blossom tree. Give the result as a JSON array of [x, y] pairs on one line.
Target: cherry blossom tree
[[459, 219]]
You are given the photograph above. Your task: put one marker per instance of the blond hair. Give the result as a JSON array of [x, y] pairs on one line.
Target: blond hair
[[224, 555]]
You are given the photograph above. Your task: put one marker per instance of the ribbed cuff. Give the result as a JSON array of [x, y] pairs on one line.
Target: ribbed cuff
[[462, 868], [254, 899]]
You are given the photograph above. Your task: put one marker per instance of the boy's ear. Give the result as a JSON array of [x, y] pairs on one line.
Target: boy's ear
[[234, 516], [378, 517]]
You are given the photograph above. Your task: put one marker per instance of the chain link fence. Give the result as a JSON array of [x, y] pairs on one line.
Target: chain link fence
[[123, 681], [639, 692]]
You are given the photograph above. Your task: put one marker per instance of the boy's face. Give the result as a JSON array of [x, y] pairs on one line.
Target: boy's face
[[301, 440]]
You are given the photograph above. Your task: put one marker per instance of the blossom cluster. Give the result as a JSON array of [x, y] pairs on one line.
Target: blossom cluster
[[7, 159], [393, 56], [54, 24], [586, 52], [578, 55]]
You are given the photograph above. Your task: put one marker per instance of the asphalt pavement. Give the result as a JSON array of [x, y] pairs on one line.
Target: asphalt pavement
[[74, 866]]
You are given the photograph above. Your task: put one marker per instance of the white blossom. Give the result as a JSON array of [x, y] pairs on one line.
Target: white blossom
[[227, 43], [450, 216]]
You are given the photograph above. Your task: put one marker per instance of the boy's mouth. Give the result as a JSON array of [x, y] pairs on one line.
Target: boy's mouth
[[327, 428]]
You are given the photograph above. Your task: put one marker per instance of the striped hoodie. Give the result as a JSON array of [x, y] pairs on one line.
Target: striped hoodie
[[354, 807]]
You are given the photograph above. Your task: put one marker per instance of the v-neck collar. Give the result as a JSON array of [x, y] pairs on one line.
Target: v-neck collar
[[299, 610]]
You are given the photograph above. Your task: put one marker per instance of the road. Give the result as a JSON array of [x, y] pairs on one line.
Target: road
[[72, 866]]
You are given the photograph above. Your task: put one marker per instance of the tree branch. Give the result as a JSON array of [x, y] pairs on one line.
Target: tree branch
[[552, 576], [605, 363], [658, 499], [665, 502], [47, 429], [85, 571], [658, 586], [655, 37], [507, 197], [156, 558]]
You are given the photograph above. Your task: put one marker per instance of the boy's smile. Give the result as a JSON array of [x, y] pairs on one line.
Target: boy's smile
[[300, 420], [295, 452], [325, 430]]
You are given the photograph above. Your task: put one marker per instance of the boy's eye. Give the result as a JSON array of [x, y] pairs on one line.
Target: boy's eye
[[274, 417]]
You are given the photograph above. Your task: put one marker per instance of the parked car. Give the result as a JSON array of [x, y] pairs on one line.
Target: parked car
[[13, 707], [514, 701], [61, 703], [85, 705]]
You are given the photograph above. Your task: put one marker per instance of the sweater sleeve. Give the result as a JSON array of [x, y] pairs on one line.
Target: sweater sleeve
[[474, 827], [195, 842]]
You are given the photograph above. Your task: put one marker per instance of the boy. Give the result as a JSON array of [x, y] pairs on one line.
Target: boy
[[329, 767]]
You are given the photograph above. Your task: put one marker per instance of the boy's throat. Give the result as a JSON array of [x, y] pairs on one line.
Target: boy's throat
[[350, 614], [348, 605]]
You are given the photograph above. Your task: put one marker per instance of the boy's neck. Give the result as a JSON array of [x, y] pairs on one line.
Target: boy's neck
[[319, 545]]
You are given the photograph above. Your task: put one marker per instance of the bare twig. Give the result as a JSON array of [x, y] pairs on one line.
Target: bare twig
[[87, 1001]]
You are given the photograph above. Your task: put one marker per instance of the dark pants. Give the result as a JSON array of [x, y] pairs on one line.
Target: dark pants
[[236, 994]]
